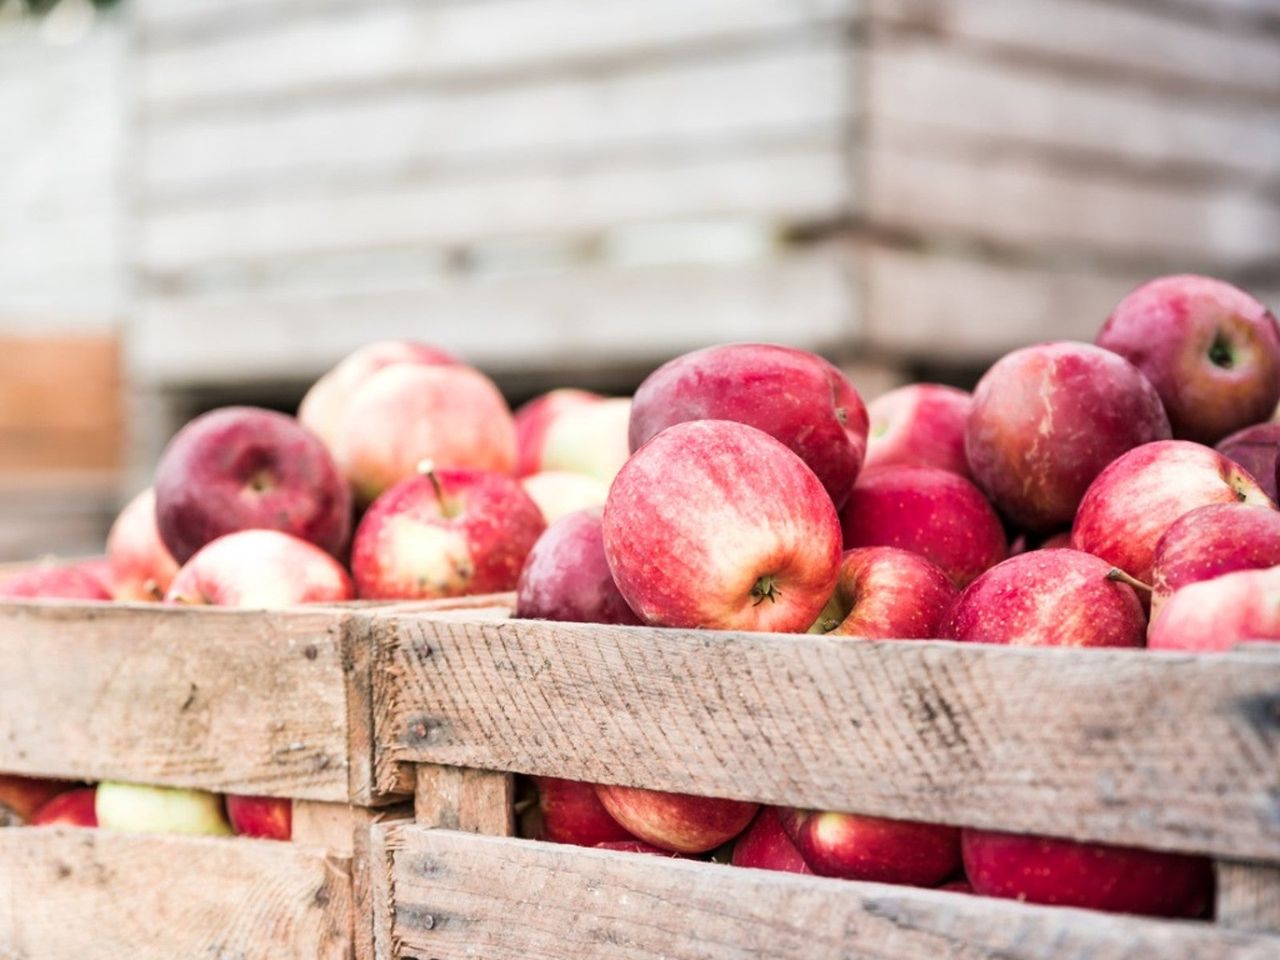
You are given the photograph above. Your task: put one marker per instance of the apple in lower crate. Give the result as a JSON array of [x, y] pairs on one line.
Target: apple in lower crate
[[262, 569], [141, 566], [54, 582], [766, 846], [856, 847], [572, 813], [558, 492], [134, 808], [636, 846], [796, 397], [21, 797], [1211, 350], [584, 437], [886, 594], [268, 818], [243, 468], [75, 808], [445, 533], [919, 425], [1092, 876], [679, 822], [1255, 448], [566, 576], [1219, 614], [716, 524]]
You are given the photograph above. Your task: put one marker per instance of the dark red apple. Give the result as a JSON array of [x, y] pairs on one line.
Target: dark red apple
[[21, 797], [766, 846], [269, 818], [876, 849], [676, 821], [919, 425], [1255, 448], [566, 575], [67, 582], [74, 808], [887, 594], [572, 813]]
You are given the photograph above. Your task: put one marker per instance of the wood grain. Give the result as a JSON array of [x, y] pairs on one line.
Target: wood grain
[[333, 826], [1248, 896], [456, 798]]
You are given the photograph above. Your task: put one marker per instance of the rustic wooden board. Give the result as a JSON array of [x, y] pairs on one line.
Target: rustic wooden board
[[456, 798], [67, 893], [459, 896], [1248, 896]]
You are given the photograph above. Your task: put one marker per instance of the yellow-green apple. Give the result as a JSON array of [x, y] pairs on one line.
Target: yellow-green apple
[[445, 533], [263, 569], [1211, 350], [534, 419], [575, 432], [933, 512], [1093, 876], [403, 414], [21, 797], [558, 492], [1131, 504], [566, 576], [141, 566], [919, 425], [1047, 419], [886, 594], [679, 822], [572, 813], [796, 397], [1061, 598], [268, 818], [877, 849], [1255, 448], [74, 808], [1216, 615], [134, 808], [244, 468], [766, 846], [716, 524], [54, 582]]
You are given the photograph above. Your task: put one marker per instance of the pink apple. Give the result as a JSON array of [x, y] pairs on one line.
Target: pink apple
[[243, 468], [676, 821], [573, 431], [887, 594], [1255, 448], [263, 569], [269, 818], [566, 576], [1061, 598], [1217, 615], [875, 849], [21, 797], [1047, 419], [766, 846], [558, 492], [1138, 497], [932, 512], [1211, 350], [1093, 876], [445, 533], [716, 524], [796, 397], [919, 425], [534, 419], [141, 566], [74, 808], [54, 582], [572, 813]]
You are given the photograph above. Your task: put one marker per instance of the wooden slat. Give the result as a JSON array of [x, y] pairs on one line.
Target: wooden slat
[[77, 893], [1132, 747], [1248, 896], [455, 798], [460, 896], [332, 826]]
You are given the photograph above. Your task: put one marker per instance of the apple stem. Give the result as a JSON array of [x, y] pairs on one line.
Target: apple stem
[[152, 589], [1116, 575], [428, 469], [765, 589]]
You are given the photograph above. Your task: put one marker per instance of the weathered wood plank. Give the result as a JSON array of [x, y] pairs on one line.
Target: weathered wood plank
[[333, 826], [1248, 896], [80, 893], [461, 896], [456, 798]]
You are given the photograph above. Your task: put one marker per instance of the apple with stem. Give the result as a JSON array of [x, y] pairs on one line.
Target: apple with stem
[[141, 566], [884, 593]]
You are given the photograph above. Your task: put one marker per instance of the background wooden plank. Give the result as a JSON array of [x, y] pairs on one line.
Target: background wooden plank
[[1248, 896], [455, 798]]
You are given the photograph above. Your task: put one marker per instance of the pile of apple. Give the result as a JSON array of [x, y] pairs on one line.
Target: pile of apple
[[1076, 498]]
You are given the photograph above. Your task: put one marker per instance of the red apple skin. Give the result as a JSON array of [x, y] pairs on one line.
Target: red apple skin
[[636, 846], [262, 569], [140, 565], [1058, 598], [716, 524], [559, 492], [1092, 876], [919, 425], [1255, 448], [21, 797], [534, 419], [74, 808], [796, 397], [935, 513], [875, 849], [1059, 541], [572, 813], [1216, 615], [268, 818], [1211, 350], [766, 846], [1047, 419], [887, 594], [411, 546], [1131, 504], [678, 822], [243, 468], [566, 576], [68, 582], [958, 886]]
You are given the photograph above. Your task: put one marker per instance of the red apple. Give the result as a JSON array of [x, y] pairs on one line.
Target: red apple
[[1059, 541], [676, 821], [796, 397], [1138, 497], [262, 569], [533, 421], [636, 846], [1255, 448], [566, 576], [957, 886], [1211, 350], [876, 849], [932, 512], [716, 524], [887, 594], [1216, 615], [1061, 598], [21, 797], [66, 582], [141, 566], [74, 808], [445, 533], [1090, 875], [766, 846], [1047, 419], [572, 813], [270, 818], [558, 492], [588, 438], [919, 425]]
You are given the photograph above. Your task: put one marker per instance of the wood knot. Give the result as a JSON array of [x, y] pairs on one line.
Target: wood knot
[[311, 652]]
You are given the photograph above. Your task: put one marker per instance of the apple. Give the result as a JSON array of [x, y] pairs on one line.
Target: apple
[[796, 397], [74, 808], [133, 808], [534, 419], [636, 846], [1059, 541], [445, 533], [269, 818], [65, 582], [957, 886], [244, 468], [1131, 504], [678, 822], [21, 797], [566, 576], [919, 425], [876, 849], [558, 492], [1060, 598], [935, 513], [716, 524], [886, 594], [141, 566], [1211, 350], [1093, 876], [1047, 419], [573, 431], [403, 414], [1255, 448], [1216, 615], [766, 846], [572, 813], [263, 569]]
